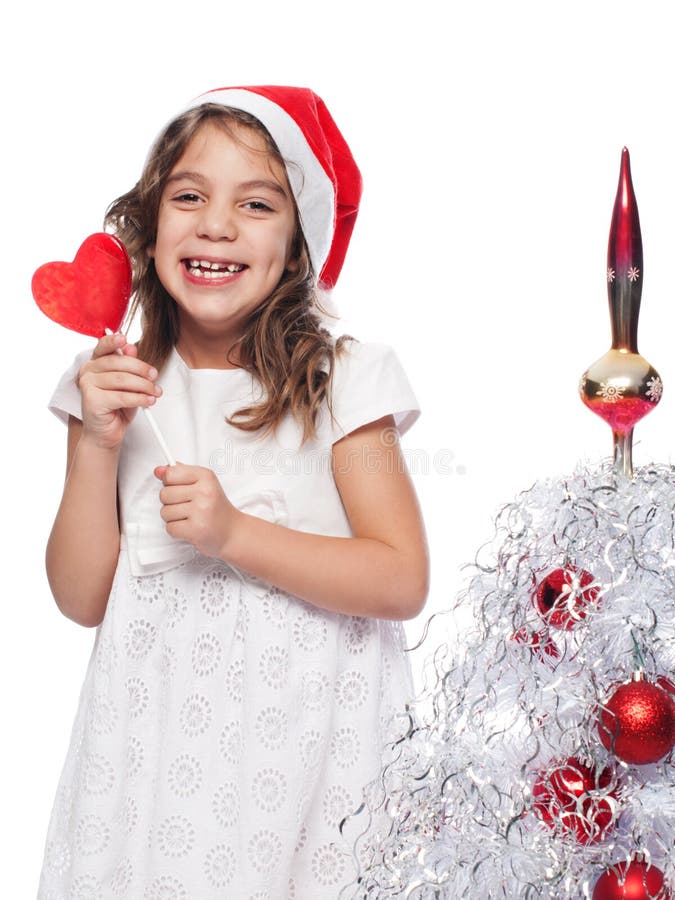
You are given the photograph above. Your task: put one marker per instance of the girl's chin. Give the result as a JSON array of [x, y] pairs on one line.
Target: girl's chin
[[213, 322]]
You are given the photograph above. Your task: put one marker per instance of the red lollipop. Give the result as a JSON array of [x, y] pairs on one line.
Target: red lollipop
[[92, 292], [637, 723], [636, 881], [90, 295]]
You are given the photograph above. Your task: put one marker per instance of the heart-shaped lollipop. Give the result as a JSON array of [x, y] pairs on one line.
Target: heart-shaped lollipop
[[90, 295], [92, 292]]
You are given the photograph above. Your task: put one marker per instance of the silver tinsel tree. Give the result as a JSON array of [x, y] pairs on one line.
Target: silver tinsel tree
[[539, 762]]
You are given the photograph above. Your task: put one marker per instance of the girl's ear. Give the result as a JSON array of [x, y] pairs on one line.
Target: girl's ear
[[293, 261]]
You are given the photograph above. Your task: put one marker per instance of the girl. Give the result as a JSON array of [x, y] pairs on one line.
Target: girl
[[247, 653]]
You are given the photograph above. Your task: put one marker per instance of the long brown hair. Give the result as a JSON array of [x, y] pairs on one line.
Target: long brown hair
[[284, 344]]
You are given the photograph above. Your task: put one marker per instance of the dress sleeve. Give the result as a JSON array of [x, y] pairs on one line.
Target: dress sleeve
[[66, 399], [369, 382]]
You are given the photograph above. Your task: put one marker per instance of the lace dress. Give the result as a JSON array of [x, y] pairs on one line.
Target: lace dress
[[224, 727]]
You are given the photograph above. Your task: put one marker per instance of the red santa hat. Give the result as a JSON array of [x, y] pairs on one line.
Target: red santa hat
[[323, 175]]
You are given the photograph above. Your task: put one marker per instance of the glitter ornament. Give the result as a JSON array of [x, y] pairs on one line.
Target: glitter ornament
[[635, 881], [637, 723], [577, 799], [564, 595]]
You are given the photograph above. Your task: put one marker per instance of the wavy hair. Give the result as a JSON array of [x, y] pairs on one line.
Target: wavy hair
[[284, 344]]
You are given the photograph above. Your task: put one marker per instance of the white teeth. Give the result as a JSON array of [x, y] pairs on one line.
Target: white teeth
[[211, 273], [204, 267]]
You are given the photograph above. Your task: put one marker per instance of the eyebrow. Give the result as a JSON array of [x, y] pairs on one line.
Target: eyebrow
[[264, 183], [261, 183]]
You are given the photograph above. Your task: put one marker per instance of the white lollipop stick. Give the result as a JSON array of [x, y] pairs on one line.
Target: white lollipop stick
[[170, 461], [153, 424]]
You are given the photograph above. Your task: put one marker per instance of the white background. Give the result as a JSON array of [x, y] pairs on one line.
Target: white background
[[489, 142]]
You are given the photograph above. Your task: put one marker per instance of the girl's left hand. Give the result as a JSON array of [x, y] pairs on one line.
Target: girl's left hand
[[196, 509]]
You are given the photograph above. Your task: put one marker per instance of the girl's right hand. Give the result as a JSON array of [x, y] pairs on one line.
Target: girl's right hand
[[113, 386]]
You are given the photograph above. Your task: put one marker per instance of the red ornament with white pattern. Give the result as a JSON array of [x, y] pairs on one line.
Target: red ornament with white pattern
[[564, 596], [577, 799]]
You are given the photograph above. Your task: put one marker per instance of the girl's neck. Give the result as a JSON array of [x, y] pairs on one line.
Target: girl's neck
[[205, 352]]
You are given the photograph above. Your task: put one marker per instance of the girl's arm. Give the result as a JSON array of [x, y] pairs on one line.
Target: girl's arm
[[382, 571], [84, 544]]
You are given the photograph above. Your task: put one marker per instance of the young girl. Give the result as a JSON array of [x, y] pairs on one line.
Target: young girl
[[247, 653]]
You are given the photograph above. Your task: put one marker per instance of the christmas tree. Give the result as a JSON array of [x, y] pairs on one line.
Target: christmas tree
[[539, 764]]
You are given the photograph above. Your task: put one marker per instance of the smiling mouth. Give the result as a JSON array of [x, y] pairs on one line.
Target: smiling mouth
[[203, 268]]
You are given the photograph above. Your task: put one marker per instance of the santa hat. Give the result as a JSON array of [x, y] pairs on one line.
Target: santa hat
[[324, 178]]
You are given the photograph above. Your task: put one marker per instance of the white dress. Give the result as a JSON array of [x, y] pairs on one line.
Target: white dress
[[225, 727]]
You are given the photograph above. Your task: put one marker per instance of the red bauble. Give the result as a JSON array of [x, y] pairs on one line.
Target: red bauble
[[563, 596], [539, 642], [574, 797], [636, 881], [92, 292], [638, 723]]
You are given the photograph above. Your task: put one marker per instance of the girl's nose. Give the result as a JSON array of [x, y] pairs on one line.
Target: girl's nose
[[217, 223]]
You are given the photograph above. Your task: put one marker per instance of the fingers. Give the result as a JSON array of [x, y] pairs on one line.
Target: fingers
[[194, 507], [127, 361], [111, 349], [106, 392], [177, 512], [178, 474], [176, 493], [121, 380], [109, 343], [129, 381]]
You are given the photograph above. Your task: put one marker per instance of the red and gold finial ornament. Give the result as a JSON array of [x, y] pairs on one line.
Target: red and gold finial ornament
[[622, 387]]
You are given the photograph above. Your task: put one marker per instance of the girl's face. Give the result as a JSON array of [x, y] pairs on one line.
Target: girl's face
[[225, 229]]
